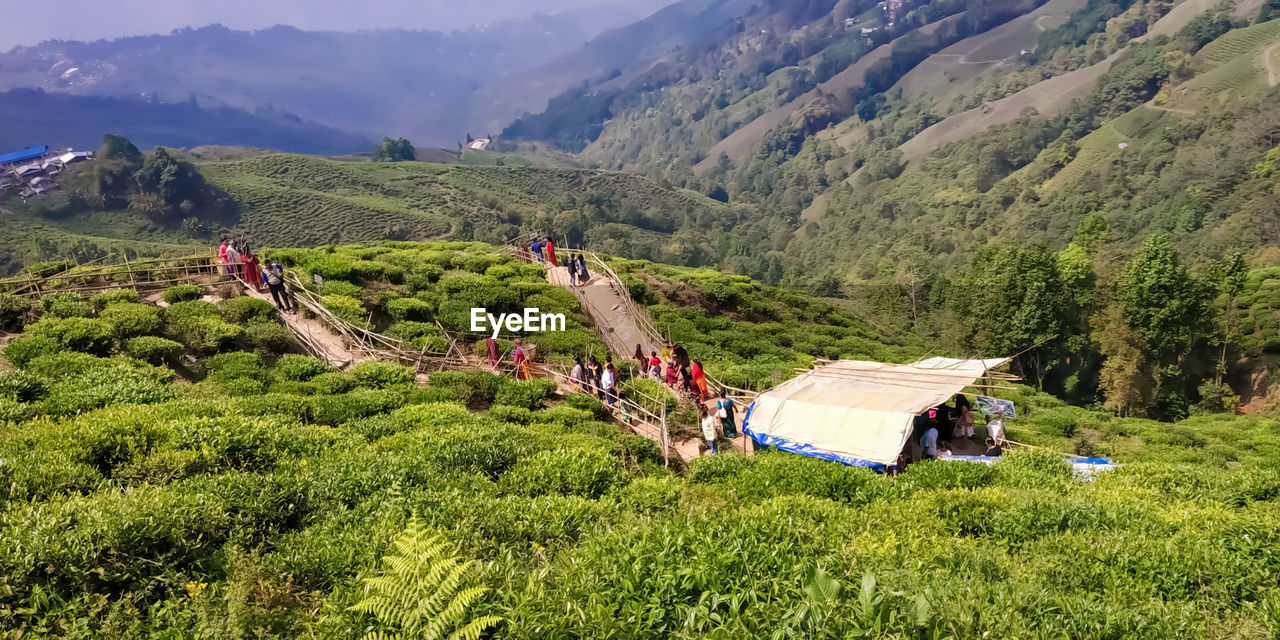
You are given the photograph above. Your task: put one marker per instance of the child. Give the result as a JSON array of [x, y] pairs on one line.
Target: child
[[708, 429]]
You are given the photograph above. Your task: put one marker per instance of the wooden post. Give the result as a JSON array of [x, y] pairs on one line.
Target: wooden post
[[666, 446]]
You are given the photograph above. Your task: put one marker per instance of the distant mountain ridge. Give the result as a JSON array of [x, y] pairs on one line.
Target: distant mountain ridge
[[416, 84], [40, 117]]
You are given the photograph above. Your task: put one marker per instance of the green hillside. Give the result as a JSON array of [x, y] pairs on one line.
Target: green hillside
[[181, 472]]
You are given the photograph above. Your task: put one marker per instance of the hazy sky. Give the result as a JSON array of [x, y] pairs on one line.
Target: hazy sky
[[25, 23]]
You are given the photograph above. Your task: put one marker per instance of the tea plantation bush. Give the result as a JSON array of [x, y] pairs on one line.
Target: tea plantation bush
[[252, 498]]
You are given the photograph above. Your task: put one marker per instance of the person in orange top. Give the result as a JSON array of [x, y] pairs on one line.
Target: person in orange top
[[699, 380], [551, 253]]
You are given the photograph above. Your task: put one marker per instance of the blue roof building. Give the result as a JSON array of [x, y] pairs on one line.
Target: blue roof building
[[29, 153]]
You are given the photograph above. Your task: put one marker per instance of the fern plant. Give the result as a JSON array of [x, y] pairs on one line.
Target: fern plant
[[425, 592]]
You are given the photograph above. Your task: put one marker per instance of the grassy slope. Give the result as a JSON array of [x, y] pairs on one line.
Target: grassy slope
[[740, 142], [946, 74]]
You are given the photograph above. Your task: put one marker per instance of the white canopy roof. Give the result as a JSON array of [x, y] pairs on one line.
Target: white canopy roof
[[858, 412]]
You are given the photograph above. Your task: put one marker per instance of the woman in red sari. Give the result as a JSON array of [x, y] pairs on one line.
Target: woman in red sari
[[699, 380], [252, 270], [551, 253]]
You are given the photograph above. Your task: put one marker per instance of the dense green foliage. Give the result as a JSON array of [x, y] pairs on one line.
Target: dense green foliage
[[268, 496], [398, 150]]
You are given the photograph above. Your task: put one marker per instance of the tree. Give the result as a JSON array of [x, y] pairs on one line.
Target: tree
[[1124, 379], [1227, 277], [113, 168], [1160, 301], [173, 180], [1012, 299], [398, 150]]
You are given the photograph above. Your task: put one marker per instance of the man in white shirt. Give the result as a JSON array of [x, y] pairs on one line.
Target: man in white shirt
[[606, 381], [929, 444]]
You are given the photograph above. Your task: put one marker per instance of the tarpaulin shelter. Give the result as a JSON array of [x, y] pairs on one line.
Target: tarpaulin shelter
[[858, 412]]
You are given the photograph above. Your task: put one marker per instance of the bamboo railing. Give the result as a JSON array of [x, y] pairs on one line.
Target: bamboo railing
[[638, 313]]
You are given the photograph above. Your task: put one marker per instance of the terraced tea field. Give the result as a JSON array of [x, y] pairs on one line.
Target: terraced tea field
[[295, 200], [1233, 66]]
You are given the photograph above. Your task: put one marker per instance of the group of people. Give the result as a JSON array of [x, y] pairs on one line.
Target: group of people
[[939, 427], [544, 252], [240, 262], [721, 419], [591, 377], [673, 367]]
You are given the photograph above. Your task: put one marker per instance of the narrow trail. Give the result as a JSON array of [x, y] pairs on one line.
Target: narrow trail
[[1269, 63], [623, 324], [610, 310], [322, 340]]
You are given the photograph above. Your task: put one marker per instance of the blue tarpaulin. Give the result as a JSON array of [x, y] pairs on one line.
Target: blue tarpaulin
[[30, 153]]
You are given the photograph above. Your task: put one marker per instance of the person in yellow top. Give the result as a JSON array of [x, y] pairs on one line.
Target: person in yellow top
[[667, 352]]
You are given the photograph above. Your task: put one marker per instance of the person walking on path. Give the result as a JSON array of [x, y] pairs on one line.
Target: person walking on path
[[252, 270], [536, 248], [578, 374], [641, 360], [725, 411], [609, 380], [583, 275], [273, 274], [550, 250], [222, 256], [233, 261], [682, 356], [708, 429], [655, 366], [521, 361], [572, 267], [699, 380]]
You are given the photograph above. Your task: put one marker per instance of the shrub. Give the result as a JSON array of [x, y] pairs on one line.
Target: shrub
[[129, 319], [528, 394], [381, 375], [268, 337], [110, 382], [102, 300], [337, 409], [409, 309], [22, 351], [152, 349], [509, 414], [301, 368], [66, 304], [182, 293], [22, 386], [430, 395], [586, 402], [333, 382], [247, 309], [291, 406], [422, 276], [341, 288], [347, 308], [590, 474], [199, 325], [13, 311], [420, 335], [86, 335], [230, 366], [1032, 469]]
